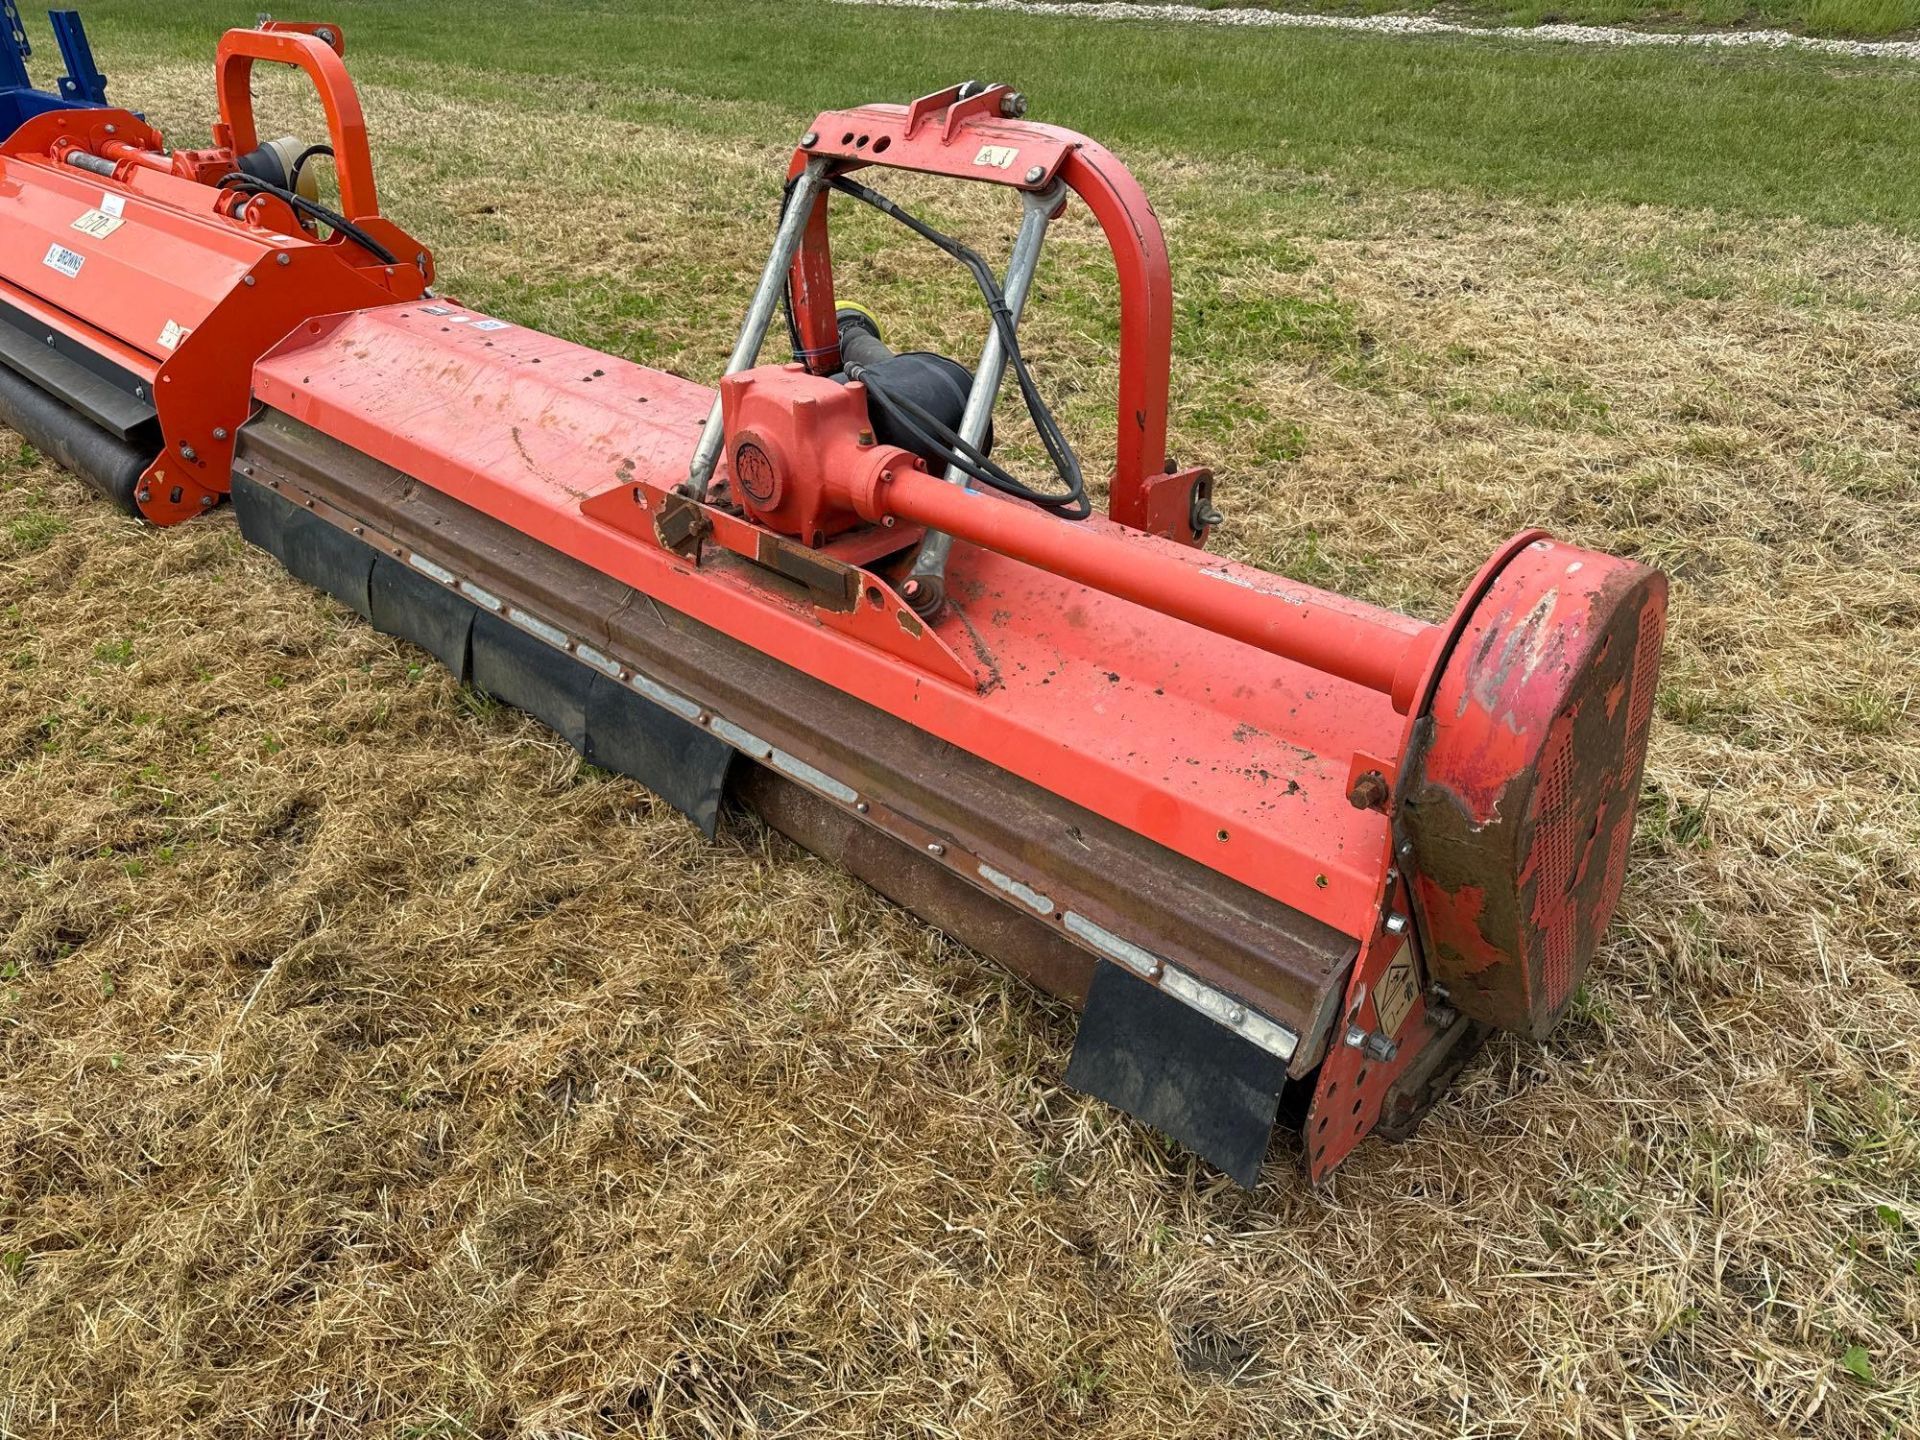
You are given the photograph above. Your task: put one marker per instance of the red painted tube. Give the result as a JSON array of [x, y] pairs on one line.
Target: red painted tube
[[1285, 620]]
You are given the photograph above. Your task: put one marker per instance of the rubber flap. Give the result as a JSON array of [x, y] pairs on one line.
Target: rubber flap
[[408, 604], [1184, 1074]]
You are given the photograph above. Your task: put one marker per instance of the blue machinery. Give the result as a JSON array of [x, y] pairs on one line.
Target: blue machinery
[[83, 85]]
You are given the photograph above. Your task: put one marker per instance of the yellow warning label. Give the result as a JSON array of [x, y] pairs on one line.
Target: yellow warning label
[[1393, 995], [98, 224]]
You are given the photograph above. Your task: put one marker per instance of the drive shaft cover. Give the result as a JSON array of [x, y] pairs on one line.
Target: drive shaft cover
[[1524, 781]]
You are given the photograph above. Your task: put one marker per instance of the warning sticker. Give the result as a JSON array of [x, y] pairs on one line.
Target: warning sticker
[[58, 257], [172, 333], [491, 325], [1393, 994], [98, 224], [1000, 157], [113, 204]]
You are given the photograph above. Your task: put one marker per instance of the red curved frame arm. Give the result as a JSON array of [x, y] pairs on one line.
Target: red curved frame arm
[[346, 125], [913, 142]]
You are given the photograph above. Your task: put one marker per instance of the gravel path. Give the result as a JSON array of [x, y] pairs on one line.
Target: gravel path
[[1421, 25]]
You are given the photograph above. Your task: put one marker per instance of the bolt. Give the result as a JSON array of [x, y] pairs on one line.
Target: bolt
[[283, 258], [1355, 1037], [1237, 1014], [1381, 1048], [1405, 852], [139, 392], [187, 452], [206, 502], [248, 280], [113, 129], [324, 35], [1369, 791], [1396, 924], [809, 140], [144, 496], [861, 806], [1035, 174], [1013, 104], [1441, 1017], [219, 432], [934, 847]]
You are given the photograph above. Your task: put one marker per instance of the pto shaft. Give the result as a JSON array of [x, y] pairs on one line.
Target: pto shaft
[[1374, 648]]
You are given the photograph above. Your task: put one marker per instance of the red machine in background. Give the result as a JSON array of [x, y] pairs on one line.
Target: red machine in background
[[138, 285], [1267, 836]]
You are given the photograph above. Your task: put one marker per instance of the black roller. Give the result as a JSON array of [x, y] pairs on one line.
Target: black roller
[[933, 382], [110, 465]]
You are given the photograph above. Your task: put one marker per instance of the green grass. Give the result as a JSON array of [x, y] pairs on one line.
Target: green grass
[[1770, 135], [1851, 19]]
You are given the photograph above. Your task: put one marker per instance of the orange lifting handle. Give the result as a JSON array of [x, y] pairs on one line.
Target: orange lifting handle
[[315, 49]]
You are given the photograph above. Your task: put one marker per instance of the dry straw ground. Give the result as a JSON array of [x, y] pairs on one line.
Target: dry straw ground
[[372, 1068]]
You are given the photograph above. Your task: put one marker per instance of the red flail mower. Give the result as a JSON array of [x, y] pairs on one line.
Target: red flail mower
[[1266, 837]]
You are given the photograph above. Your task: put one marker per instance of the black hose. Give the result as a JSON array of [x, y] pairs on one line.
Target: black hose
[[939, 439], [300, 163], [333, 220]]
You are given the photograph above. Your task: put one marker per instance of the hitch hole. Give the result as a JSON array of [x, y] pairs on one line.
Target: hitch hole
[[1357, 1104], [874, 597], [1220, 835], [882, 143], [861, 143], [847, 139]]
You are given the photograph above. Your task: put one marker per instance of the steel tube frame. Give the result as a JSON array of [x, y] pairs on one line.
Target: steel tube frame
[[1037, 211], [753, 330]]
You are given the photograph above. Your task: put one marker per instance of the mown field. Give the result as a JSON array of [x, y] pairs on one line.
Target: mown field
[[369, 1066]]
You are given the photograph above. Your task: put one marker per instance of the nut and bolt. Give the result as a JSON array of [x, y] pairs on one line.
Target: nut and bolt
[[187, 452], [809, 140], [283, 258], [1013, 104], [1369, 791], [206, 502], [144, 496], [1377, 1047], [934, 847], [1396, 924], [219, 432], [1035, 174]]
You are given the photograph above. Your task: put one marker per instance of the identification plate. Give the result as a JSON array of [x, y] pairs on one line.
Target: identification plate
[[66, 261], [98, 224], [1393, 995]]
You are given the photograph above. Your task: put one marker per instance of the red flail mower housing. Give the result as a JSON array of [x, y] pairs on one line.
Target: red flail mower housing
[[1267, 837]]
